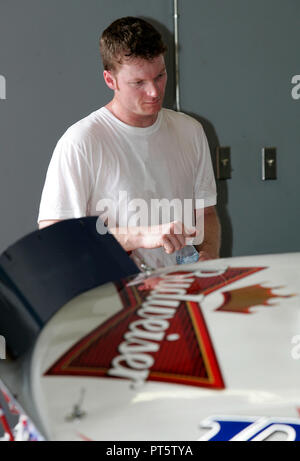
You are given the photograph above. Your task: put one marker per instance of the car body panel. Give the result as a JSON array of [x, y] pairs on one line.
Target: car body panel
[[243, 318]]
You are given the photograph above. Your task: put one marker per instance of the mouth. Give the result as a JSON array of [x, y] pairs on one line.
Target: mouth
[[157, 101]]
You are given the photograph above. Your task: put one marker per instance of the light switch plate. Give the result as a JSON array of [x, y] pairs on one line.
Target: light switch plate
[[269, 163]]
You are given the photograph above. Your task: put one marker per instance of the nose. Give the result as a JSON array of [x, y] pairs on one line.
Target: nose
[[152, 90]]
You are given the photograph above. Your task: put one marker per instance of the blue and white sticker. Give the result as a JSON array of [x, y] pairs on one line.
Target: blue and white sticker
[[255, 429]]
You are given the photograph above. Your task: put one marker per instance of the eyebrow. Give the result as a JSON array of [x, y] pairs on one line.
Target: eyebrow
[[164, 69]]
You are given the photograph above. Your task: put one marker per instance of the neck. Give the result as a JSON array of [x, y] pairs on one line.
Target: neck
[[140, 121]]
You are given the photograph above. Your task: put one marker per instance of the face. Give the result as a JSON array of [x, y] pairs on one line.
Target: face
[[139, 88]]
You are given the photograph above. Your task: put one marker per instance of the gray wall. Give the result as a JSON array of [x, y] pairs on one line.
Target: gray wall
[[237, 77], [237, 58]]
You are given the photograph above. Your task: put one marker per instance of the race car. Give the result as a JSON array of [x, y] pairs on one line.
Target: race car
[[98, 350]]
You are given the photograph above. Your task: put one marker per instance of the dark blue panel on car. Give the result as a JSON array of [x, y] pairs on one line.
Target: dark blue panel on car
[[47, 268]]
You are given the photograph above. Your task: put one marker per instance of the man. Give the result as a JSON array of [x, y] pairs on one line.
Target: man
[[134, 149]]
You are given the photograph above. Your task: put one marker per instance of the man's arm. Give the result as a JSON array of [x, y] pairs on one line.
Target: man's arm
[[43, 224], [170, 236], [210, 247]]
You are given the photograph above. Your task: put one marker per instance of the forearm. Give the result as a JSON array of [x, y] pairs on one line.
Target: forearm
[[170, 236], [212, 235], [129, 238], [43, 224]]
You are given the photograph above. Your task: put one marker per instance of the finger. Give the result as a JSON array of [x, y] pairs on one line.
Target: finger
[[190, 232], [167, 245], [181, 240], [176, 228], [176, 241]]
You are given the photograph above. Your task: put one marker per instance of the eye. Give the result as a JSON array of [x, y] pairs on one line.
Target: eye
[[160, 76]]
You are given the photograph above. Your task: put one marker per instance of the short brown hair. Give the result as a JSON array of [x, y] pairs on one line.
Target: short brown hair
[[130, 38]]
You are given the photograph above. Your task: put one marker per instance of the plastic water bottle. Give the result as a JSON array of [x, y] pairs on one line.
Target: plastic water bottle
[[187, 255]]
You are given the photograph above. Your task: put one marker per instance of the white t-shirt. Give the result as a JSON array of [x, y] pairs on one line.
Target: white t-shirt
[[101, 160]]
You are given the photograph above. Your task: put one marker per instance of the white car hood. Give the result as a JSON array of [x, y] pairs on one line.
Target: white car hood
[[172, 356]]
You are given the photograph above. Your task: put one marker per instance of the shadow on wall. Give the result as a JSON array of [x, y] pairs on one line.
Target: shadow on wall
[[170, 102], [222, 189], [168, 38]]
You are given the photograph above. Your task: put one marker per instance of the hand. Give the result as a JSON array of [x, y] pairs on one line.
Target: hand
[[204, 256], [171, 236]]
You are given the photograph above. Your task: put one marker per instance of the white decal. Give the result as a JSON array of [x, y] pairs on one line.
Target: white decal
[[296, 349], [145, 335]]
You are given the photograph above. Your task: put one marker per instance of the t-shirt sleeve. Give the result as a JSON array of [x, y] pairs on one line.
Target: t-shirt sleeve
[[205, 184], [68, 184]]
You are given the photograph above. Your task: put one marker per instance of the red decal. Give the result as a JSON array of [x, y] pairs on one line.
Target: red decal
[[159, 335], [6, 426], [84, 437]]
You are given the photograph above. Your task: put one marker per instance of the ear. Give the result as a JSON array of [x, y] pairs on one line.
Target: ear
[[110, 80]]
